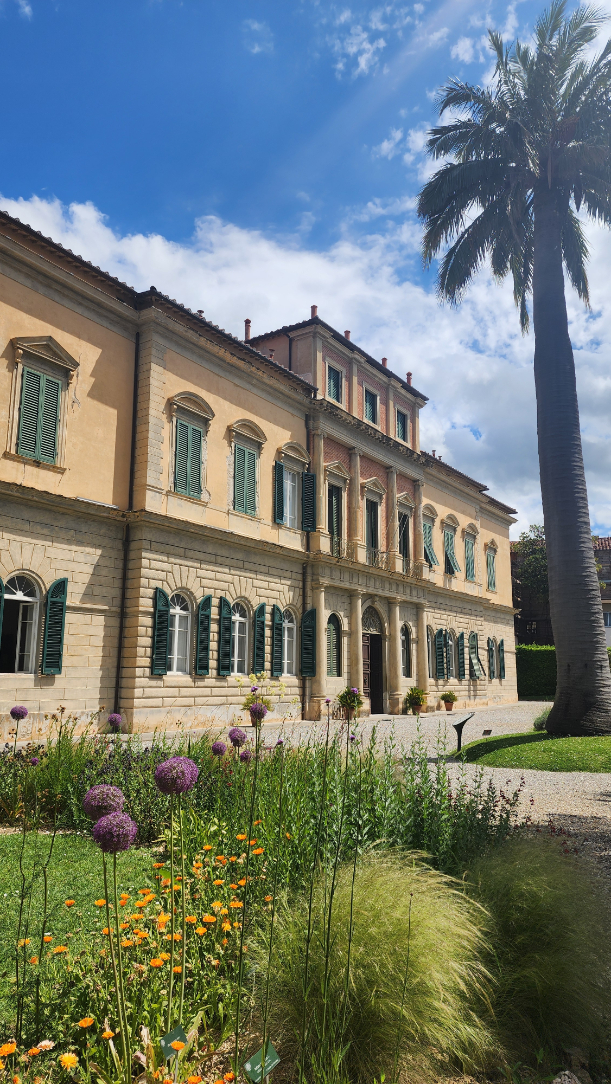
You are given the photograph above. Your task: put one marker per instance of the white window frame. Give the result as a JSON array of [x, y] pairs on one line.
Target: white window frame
[[26, 602], [240, 626], [400, 410], [289, 623], [178, 614]]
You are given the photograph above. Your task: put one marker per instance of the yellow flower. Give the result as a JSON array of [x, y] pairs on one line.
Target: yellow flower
[[224, 911], [177, 1045], [226, 925], [165, 956], [60, 948], [216, 903], [24, 941], [68, 1061], [100, 903], [200, 930], [69, 903], [86, 1022], [236, 903], [108, 1034], [33, 1051]]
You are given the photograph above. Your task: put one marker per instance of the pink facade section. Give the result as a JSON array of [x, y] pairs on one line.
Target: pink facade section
[[336, 453]]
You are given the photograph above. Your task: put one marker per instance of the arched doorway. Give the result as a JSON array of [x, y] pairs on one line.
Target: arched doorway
[[373, 676]]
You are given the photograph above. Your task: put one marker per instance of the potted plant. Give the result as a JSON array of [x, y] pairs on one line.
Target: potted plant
[[351, 701], [416, 699], [449, 699]]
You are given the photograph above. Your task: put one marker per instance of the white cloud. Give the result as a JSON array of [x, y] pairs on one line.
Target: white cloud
[[437, 37], [388, 147], [472, 361], [358, 46], [25, 9], [257, 37], [463, 50]]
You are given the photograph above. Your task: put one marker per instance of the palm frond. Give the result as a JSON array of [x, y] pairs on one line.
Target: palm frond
[[466, 256], [575, 253]]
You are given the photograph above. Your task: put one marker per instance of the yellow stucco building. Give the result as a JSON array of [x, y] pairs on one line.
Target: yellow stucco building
[[181, 507]]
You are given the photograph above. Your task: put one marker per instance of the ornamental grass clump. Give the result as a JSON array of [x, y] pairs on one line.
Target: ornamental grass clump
[[388, 1014]]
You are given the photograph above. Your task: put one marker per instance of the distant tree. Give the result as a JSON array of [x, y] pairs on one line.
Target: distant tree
[[524, 161], [532, 557]]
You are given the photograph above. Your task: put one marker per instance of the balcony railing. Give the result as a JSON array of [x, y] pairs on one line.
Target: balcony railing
[[342, 547], [378, 558]]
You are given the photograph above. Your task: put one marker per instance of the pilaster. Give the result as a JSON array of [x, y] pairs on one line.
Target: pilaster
[[395, 698]]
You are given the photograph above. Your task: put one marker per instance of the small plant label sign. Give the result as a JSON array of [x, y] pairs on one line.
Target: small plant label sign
[[253, 1067], [175, 1036]]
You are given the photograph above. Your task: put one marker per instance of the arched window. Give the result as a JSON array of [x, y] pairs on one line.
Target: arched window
[[406, 652], [451, 661], [180, 625], [430, 650], [334, 661], [239, 638], [19, 626], [289, 639]]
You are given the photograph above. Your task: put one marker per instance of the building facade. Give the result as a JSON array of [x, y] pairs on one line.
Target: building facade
[[181, 508]]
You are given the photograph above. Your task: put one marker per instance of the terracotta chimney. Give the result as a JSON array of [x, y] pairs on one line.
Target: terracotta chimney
[[409, 378], [200, 312], [385, 362], [246, 330], [271, 353], [313, 311], [346, 334], [433, 454]]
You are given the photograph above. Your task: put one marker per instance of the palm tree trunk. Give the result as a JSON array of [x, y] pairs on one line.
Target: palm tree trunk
[[583, 692]]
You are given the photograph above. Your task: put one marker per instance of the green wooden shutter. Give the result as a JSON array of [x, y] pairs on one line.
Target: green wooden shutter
[[224, 659], [491, 659], [1, 604], [476, 670], [181, 463], [401, 425], [49, 419], [308, 644], [449, 551], [195, 461], [251, 483], [278, 492], [439, 654], [429, 552], [469, 558], [161, 632], [55, 620], [202, 647], [276, 667], [501, 657], [461, 655], [404, 535], [490, 564], [447, 644], [29, 413], [308, 501], [335, 511], [258, 649], [239, 478]]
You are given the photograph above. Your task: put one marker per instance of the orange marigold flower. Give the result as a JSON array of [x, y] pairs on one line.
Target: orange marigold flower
[[86, 1022], [252, 842], [194, 1079], [167, 1080], [258, 850], [198, 865], [288, 835], [68, 1061], [229, 1077], [140, 903], [219, 1081], [178, 937], [255, 823], [24, 941], [241, 836], [268, 899], [157, 961], [33, 1051], [226, 925], [233, 858], [16, 1079], [60, 948], [47, 938], [33, 959], [217, 883], [166, 880], [224, 911], [216, 904], [165, 955], [207, 847], [158, 865], [126, 944], [106, 931], [177, 970], [122, 903], [236, 903], [124, 925], [177, 1045], [209, 918], [7, 1048], [190, 918], [200, 930], [69, 903], [215, 963], [100, 903], [242, 882], [235, 887]]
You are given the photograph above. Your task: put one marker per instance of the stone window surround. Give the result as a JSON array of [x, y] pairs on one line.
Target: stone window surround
[[331, 364], [372, 489], [493, 548], [45, 355], [372, 391], [336, 474], [408, 425], [296, 459], [250, 435], [190, 408]]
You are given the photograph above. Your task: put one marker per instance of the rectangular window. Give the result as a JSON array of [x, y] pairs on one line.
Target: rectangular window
[[188, 459], [451, 564], [429, 550], [245, 480], [404, 538], [371, 530], [401, 425], [371, 407], [607, 618], [491, 569], [38, 416], [290, 498], [335, 519], [470, 558], [334, 384]]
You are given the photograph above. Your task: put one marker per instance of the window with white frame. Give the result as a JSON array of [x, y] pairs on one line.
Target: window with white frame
[[370, 406], [291, 492], [402, 426], [289, 642], [19, 626], [239, 638], [180, 629]]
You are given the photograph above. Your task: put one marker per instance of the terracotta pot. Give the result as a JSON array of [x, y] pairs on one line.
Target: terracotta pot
[[449, 704], [417, 708]]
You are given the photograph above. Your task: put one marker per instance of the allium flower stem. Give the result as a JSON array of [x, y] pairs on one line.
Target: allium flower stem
[[271, 929], [251, 817], [113, 960], [183, 943], [172, 924], [122, 1010]]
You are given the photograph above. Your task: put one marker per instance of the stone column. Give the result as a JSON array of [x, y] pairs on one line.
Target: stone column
[[354, 389], [354, 496], [395, 699], [318, 466], [390, 411], [418, 532], [422, 658], [319, 681], [392, 522], [356, 643]]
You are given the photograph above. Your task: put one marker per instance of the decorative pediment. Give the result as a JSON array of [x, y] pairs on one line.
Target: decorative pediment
[[406, 501], [194, 404], [338, 469], [373, 485], [295, 450], [45, 347], [470, 529], [429, 511], [450, 521], [249, 429], [491, 545]]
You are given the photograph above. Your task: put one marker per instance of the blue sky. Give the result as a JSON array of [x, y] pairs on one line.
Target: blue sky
[[253, 157]]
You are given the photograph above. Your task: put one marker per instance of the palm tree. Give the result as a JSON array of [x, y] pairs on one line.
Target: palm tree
[[526, 156]]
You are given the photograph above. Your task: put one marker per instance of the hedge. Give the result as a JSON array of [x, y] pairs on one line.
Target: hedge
[[536, 670]]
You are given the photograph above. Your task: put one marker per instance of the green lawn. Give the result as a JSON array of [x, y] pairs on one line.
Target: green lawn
[[538, 750]]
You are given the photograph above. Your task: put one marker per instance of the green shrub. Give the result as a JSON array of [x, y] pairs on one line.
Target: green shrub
[[549, 947], [536, 671], [541, 719], [367, 1018]]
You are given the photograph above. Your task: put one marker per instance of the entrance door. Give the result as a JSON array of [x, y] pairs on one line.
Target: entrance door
[[373, 685]]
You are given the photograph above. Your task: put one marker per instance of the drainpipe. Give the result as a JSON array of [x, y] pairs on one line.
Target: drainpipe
[[126, 528]]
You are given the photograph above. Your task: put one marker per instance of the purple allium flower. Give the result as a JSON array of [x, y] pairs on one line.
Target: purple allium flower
[[254, 688], [18, 713], [219, 748], [258, 711], [354, 691], [34, 761], [280, 741], [237, 737], [115, 832], [245, 755], [176, 775], [353, 737], [103, 799], [114, 721], [328, 700]]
